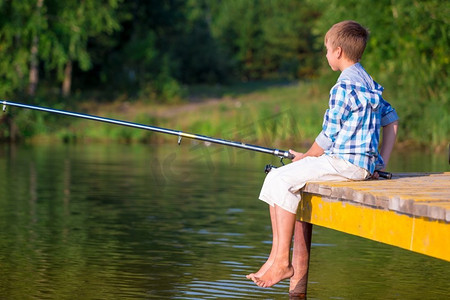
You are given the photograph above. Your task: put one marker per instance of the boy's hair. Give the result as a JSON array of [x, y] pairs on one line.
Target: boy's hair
[[350, 36]]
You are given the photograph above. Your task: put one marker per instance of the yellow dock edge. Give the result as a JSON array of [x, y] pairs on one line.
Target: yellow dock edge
[[418, 234]]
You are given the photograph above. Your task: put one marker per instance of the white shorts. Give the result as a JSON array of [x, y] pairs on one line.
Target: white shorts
[[282, 185]]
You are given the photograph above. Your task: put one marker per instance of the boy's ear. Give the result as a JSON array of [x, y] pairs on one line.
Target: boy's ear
[[339, 52]]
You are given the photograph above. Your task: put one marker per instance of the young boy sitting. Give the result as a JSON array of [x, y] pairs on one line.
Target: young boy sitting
[[345, 149]]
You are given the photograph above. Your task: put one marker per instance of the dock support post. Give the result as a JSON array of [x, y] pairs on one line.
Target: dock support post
[[300, 260]]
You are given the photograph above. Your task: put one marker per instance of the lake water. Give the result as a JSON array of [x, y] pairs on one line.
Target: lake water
[[147, 222]]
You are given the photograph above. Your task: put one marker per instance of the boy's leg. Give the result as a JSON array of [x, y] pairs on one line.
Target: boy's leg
[[281, 267], [273, 251], [280, 189]]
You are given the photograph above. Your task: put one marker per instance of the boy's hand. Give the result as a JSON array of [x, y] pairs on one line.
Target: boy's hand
[[381, 174], [315, 150], [375, 175], [298, 155]]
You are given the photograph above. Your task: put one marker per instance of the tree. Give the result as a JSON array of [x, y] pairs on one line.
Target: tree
[[34, 52], [71, 24], [267, 39], [20, 26]]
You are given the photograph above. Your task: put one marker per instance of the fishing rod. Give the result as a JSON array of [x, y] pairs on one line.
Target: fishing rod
[[277, 152]]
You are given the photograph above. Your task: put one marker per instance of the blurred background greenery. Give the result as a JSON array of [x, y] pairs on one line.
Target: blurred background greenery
[[260, 63]]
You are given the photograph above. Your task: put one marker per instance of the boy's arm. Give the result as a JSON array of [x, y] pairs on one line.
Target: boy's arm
[[315, 150], [389, 124], [389, 134]]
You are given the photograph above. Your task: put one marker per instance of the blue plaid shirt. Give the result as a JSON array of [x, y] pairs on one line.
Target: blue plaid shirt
[[351, 125]]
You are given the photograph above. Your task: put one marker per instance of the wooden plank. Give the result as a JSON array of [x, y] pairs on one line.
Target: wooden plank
[[422, 235], [411, 194], [411, 211]]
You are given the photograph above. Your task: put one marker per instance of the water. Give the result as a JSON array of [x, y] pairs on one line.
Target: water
[[145, 222]]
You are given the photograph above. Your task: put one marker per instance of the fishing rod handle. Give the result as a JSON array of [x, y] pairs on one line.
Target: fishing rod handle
[[282, 153], [290, 156], [386, 175]]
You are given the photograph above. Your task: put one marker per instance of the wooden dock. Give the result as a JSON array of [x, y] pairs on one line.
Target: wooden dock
[[411, 211]]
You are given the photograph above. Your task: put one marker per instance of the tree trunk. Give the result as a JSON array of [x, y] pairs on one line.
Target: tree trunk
[[34, 71], [33, 78], [67, 83]]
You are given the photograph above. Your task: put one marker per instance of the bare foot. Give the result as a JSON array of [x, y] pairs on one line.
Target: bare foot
[[273, 275], [261, 271]]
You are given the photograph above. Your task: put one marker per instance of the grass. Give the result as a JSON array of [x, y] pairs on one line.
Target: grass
[[268, 114]]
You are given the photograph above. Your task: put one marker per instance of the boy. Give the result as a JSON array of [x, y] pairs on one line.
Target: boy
[[345, 149]]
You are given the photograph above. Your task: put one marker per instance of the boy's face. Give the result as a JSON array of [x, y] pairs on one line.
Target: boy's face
[[333, 56]]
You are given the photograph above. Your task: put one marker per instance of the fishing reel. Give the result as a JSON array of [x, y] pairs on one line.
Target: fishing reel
[[269, 167]]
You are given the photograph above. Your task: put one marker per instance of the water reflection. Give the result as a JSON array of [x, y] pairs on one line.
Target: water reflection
[[107, 222]]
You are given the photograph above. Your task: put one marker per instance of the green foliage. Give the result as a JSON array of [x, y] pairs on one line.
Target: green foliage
[[19, 22], [266, 39], [52, 32], [409, 54], [156, 50], [71, 25]]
